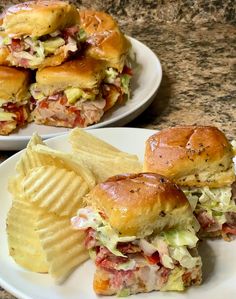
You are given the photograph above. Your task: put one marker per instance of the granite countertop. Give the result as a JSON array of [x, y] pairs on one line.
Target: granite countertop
[[197, 50], [199, 67]]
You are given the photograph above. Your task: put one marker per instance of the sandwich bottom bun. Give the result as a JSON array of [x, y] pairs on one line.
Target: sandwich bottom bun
[[136, 283]]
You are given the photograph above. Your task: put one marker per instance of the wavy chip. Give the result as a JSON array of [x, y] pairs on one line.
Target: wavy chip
[[31, 159], [83, 141], [79, 137], [23, 242], [63, 246], [104, 167], [15, 187], [55, 189], [69, 162]]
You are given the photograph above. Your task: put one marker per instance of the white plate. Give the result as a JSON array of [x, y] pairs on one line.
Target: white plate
[[219, 264], [144, 85]]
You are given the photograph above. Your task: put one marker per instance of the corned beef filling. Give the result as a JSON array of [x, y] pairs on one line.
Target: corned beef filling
[[146, 266], [30, 52]]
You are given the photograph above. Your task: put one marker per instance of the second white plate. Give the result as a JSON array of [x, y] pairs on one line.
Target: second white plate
[[145, 83]]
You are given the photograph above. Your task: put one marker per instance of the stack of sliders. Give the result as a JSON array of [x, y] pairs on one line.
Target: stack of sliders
[[78, 92], [106, 42], [43, 36], [40, 33], [140, 232], [14, 97], [200, 160]]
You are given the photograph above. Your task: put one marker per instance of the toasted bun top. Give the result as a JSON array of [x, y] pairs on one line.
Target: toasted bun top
[[139, 204], [37, 18], [97, 21], [14, 84], [191, 156], [84, 72], [105, 40]]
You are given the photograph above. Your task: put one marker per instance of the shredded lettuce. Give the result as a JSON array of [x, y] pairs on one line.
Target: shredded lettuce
[[105, 234], [111, 75], [192, 198], [125, 82], [6, 40], [172, 245], [82, 36], [215, 199], [179, 238], [33, 59], [109, 238], [182, 255]]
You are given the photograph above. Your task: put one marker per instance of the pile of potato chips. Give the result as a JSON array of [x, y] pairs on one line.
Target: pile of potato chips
[[47, 191]]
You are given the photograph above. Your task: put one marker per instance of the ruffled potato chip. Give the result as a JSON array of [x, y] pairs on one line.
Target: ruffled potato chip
[[23, 241], [55, 189], [63, 246]]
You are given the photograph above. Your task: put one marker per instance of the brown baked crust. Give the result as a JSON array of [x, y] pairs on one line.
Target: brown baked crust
[[105, 40], [138, 204], [191, 156], [97, 21], [38, 18], [14, 83], [112, 47], [84, 72]]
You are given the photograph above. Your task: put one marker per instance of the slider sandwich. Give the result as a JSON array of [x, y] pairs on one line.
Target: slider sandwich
[[37, 34], [69, 95], [200, 160], [106, 42], [14, 97], [140, 233]]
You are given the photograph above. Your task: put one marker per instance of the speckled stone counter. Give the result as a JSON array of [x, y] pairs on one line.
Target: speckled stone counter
[[199, 67], [196, 44]]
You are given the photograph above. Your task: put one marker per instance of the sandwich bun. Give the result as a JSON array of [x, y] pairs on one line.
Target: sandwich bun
[[191, 156], [38, 18], [94, 22], [105, 40], [14, 84], [140, 204], [84, 72], [111, 46], [4, 53]]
